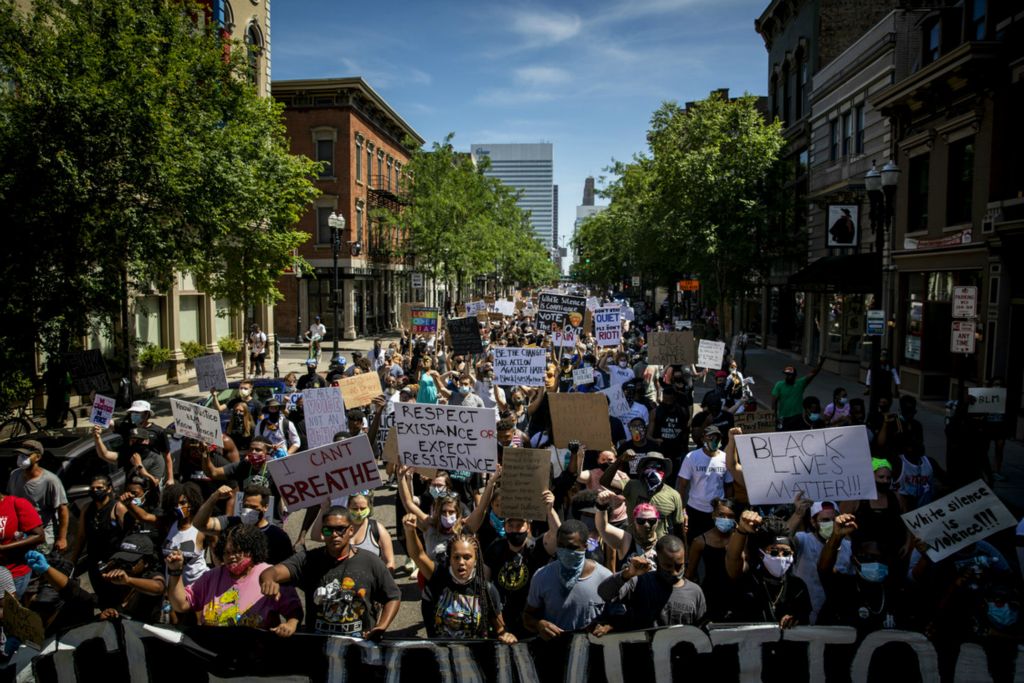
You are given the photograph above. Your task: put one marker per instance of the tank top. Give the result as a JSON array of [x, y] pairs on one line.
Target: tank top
[[185, 540], [915, 480], [369, 542], [715, 583], [102, 535], [427, 392]]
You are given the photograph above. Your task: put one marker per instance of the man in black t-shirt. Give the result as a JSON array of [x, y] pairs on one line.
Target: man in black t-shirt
[[712, 415], [343, 586], [255, 505], [510, 563], [671, 428]]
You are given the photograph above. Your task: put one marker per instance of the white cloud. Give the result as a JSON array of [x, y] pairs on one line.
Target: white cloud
[[545, 27], [542, 75]]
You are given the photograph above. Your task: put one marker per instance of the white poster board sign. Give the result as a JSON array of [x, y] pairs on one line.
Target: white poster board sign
[[325, 415], [825, 464], [628, 314], [210, 372], [987, 400], [710, 354], [519, 366], [617, 375], [197, 422], [311, 477], [505, 307], [593, 303], [617, 403], [447, 437], [102, 411], [608, 326], [582, 376], [968, 515], [565, 340]]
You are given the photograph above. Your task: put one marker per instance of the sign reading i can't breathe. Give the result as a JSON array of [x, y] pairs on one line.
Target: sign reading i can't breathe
[[966, 516], [825, 464], [311, 477], [447, 437]]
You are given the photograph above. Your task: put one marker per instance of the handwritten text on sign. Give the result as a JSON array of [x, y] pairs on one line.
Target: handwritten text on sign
[[608, 326], [361, 389], [524, 478], [325, 415], [987, 400], [671, 348], [447, 437], [196, 421], [966, 516], [710, 354], [311, 477], [102, 410], [519, 366], [210, 372], [582, 376], [832, 464]]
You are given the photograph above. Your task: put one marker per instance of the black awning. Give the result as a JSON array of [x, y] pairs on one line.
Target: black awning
[[851, 274]]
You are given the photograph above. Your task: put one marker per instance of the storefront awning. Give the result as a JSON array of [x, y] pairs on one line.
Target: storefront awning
[[852, 274]]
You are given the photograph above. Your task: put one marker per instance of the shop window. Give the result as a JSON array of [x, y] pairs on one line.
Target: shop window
[[917, 184], [222, 321], [960, 181]]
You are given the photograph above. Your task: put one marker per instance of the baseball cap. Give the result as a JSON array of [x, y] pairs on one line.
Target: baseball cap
[[133, 548], [712, 431], [820, 505], [789, 370], [30, 446], [311, 362], [140, 407]]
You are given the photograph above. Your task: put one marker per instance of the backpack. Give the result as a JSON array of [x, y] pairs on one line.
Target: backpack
[[283, 425]]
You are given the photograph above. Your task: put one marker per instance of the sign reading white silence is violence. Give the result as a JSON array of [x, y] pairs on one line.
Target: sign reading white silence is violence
[[825, 464], [519, 366], [447, 437], [966, 516], [311, 477]]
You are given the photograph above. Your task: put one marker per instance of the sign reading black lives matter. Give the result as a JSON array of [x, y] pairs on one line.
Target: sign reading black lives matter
[[447, 437], [563, 312], [966, 516], [465, 335], [825, 464]]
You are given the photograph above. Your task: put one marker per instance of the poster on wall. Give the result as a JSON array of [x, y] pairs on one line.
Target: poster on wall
[[843, 225]]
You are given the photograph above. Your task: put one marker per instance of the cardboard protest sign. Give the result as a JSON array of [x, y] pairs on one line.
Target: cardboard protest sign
[[671, 348], [197, 422], [968, 515], [359, 390], [325, 415], [423, 320], [102, 411], [495, 317], [524, 478], [22, 623], [582, 376], [311, 477], [505, 307], [210, 372], [88, 371], [710, 354], [617, 403], [608, 326], [558, 311], [580, 417], [825, 464], [407, 313], [464, 334], [474, 307], [987, 400], [563, 339], [618, 375], [757, 422], [447, 437], [519, 366]]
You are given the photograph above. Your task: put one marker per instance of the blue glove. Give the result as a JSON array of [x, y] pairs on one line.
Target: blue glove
[[37, 561]]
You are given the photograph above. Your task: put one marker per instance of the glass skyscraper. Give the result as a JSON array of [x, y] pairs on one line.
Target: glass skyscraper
[[529, 168]]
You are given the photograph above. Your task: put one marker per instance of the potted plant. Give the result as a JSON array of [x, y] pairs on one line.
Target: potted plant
[[154, 361], [230, 348]]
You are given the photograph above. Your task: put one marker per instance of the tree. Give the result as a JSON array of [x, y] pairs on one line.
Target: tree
[[134, 149]]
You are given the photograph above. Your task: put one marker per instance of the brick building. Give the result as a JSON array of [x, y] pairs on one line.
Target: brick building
[[345, 124]]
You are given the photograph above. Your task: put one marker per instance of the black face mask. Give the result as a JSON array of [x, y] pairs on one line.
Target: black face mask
[[515, 538], [273, 417], [98, 495]]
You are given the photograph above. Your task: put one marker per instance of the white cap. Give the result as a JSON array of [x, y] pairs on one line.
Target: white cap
[[817, 507], [140, 407]]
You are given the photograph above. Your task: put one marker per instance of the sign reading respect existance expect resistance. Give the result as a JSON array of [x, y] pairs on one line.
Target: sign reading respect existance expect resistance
[[447, 437], [824, 464]]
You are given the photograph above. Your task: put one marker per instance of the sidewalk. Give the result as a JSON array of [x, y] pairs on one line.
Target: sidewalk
[[765, 366]]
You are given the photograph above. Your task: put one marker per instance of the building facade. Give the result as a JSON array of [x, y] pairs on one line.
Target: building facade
[[529, 169], [344, 124]]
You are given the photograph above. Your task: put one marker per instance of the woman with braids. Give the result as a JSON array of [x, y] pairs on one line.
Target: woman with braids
[[458, 602], [229, 595], [180, 502]]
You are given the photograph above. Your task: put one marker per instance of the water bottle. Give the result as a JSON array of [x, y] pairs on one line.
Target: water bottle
[[165, 612]]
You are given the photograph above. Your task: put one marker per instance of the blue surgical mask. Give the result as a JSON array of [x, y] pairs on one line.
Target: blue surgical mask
[[572, 563], [498, 523], [814, 417], [843, 401], [136, 418], [725, 525], [1002, 616], [463, 389], [873, 572]]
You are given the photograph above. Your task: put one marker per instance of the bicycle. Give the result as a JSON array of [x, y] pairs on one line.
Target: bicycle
[[23, 423], [314, 348]]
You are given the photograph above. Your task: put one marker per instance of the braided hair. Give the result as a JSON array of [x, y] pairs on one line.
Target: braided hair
[[478, 586]]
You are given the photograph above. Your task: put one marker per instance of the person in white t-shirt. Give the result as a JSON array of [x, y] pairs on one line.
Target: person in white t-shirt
[[702, 478], [809, 545], [314, 335]]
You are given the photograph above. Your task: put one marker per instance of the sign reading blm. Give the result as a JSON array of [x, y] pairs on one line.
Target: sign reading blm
[[447, 437]]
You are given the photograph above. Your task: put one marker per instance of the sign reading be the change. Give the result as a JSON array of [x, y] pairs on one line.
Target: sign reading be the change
[[519, 366]]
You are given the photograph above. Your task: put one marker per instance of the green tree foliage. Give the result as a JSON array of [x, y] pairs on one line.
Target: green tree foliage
[[134, 148], [459, 223]]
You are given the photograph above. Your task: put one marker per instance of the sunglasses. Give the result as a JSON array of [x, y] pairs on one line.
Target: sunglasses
[[646, 521], [329, 531]]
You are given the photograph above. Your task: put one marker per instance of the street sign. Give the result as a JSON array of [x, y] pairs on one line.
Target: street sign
[[965, 302], [961, 337], [417, 280], [636, 280], [689, 285], [875, 323]]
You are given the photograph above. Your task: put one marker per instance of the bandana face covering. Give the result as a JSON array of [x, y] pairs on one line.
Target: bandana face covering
[[571, 566]]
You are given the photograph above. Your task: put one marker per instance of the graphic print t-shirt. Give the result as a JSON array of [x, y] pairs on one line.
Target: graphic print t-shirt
[[511, 572], [351, 590], [456, 610]]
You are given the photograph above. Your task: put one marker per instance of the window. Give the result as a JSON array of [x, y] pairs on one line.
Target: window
[[148, 320], [847, 134], [359, 223], [325, 154], [253, 51], [932, 42], [802, 161], [976, 23], [323, 227], [380, 168], [801, 86], [398, 177], [189, 312], [369, 164], [785, 94], [917, 185], [390, 164], [833, 140], [858, 122], [776, 96], [960, 181], [359, 158]]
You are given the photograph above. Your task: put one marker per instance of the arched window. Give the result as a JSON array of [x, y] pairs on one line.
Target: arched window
[[228, 18], [254, 51]]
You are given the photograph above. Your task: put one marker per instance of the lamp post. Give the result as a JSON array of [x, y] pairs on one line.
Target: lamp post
[[336, 221], [881, 187], [298, 294]]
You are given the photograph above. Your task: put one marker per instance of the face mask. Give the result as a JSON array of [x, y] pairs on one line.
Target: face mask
[[236, 569], [882, 485], [653, 478], [713, 444], [179, 513], [843, 401], [244, 393], [448, 520], [255, 458], [24, 461], [136, 418], [137, 502], [389, 391], [873, 572], [273, 417], [438, 491], [790, 379], [725, 525], [776, 566], [671, 578], [825, 529], [636, 436], [1002, 616], [813, 417], [465, 390], [498, 523], [359, 515], [462, 582], [249, 516], [572, 563], [516, 538], [98, 495]]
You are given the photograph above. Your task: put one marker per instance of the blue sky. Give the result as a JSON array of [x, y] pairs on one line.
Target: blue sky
[[585, 76]]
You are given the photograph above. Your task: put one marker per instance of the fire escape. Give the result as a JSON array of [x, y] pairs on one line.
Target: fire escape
[[382, 240]]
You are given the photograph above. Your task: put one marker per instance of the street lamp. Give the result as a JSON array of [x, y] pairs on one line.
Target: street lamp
[[336, 221], [881, 188]]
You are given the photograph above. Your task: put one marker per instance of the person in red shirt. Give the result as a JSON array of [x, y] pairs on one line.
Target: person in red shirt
[[21, 529]]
